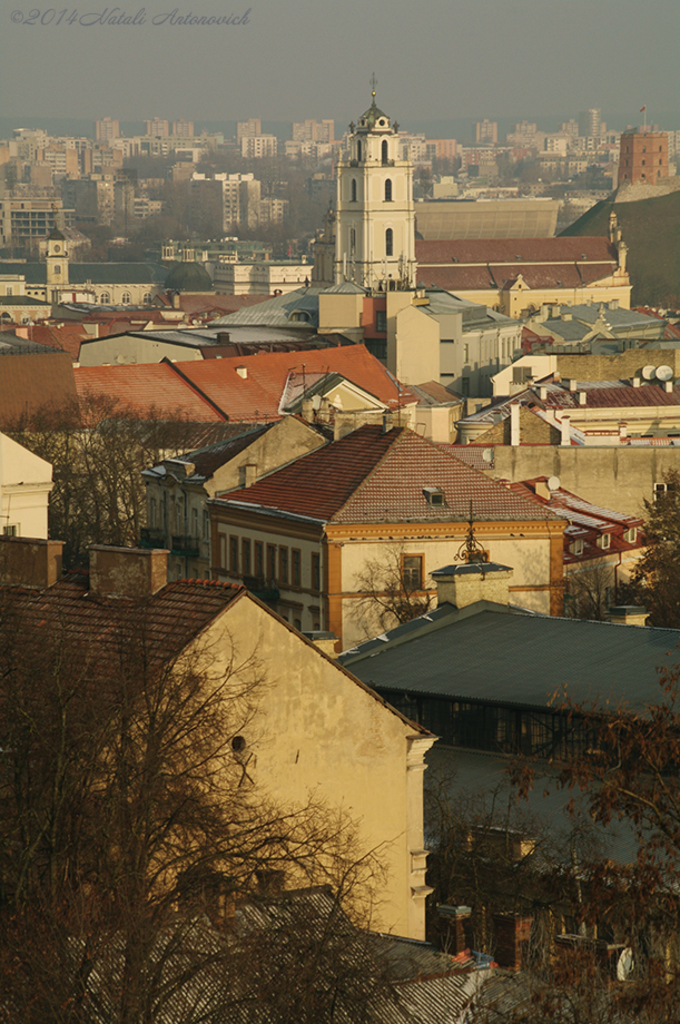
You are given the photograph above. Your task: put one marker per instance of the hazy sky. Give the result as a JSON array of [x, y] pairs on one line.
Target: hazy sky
[[434, 59]]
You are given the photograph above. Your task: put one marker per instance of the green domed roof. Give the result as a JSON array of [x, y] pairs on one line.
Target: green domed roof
[[188, 277], [369, 119]]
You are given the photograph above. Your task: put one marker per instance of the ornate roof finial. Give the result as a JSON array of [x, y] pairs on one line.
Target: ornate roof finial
[[374, 82], [471, 550]]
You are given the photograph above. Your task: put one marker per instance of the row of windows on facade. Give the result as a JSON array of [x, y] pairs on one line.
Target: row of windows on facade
[[270, 563], [604, 541], [192, 525], [389, 241], [387, 192], [495, 727]]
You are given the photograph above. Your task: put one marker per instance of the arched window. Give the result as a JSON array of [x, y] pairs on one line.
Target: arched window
[[354, 190], [126, 298], [359, 149], [384, 151], [146, 298], [389, 242], [388, 190], [104, 299], [57, 269]]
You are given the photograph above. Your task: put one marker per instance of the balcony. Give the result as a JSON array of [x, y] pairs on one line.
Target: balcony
[[266, 590], [151, 538], [188, 547]]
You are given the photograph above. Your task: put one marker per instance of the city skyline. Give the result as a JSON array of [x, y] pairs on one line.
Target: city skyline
[[291, 59]]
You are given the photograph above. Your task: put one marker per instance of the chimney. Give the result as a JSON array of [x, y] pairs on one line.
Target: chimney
[[459, 927], [387, 422], [248, 474], [514, 426], [582, 398], [565, 428], [512, 940], [463, 585], [30, 562], [628, 615], [668, 386], [242, 371], [542, 490], [623, 431], [543, 393], [223, 338], [636, 382], [324, 640], [133, 573], [573, 385], [308, 410], [175, 300]]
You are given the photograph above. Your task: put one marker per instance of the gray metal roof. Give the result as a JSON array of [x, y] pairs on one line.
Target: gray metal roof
[[462, 772], [518, 658], [278, 310]]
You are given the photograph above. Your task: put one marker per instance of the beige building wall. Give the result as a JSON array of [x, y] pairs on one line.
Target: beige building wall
[[25, 485], [319, 734], [620, 478], [412, 341], [532, 550]]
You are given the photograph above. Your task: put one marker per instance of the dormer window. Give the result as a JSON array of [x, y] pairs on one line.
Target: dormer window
[[434, 496], [576, 547], [630, 536], [605, 541]]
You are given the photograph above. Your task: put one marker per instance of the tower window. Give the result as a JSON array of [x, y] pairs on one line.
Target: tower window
[[384, 151], [354, 190], [352, 239], [388, 190], [359, 149], [389, 242], [57, 269]]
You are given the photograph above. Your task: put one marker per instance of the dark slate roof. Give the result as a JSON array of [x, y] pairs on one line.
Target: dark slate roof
[[210, 458], [505, 657], [371, 476], [97, 273]]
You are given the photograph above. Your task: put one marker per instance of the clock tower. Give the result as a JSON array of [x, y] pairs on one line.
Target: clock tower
[[57, 265], [375, 214]]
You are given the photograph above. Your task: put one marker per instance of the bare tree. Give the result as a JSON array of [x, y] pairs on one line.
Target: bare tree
[[391, 590], [128, 832], [588, 591]]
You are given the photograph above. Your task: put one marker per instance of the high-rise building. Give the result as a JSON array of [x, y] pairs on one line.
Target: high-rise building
[[107, 129], [183, 129], [590, 123], [313, 131], [157, 126], [248, 129], [643, 157], [486, 131]]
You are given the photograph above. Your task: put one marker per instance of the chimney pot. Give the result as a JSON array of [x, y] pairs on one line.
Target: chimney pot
[[242, 371], [582, 398], [573, 385]]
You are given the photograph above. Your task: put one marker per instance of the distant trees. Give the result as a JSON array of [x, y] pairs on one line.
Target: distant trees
[[98, 449], [129, 840], [656, 579]]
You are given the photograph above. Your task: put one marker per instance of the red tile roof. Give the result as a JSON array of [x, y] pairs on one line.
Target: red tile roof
[[34, 383], [613, 397], [146, 388], [371, 476], [506, 250], [169, 619], [255, 397]]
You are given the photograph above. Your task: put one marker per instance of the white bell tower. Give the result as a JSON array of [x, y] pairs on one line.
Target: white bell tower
[[57, 265], [375, 214]]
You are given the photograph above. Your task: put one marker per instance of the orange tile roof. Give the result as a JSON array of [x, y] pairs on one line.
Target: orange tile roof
[[212, 388], [34, 383], [144, 388], [370, 476]]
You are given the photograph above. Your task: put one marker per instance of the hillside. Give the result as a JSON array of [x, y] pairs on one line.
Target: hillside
[[651, 230]]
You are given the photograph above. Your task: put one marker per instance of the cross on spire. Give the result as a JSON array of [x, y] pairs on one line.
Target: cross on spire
[[374, 82]]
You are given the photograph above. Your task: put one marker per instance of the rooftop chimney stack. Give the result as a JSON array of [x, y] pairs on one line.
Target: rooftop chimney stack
[[132, 573], [30, 562], [462, 585]]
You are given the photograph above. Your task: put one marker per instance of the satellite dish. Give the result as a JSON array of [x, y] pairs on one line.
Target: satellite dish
[[487, 455], [554, 483], [624, 964], [648, 372], [664, 373]]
